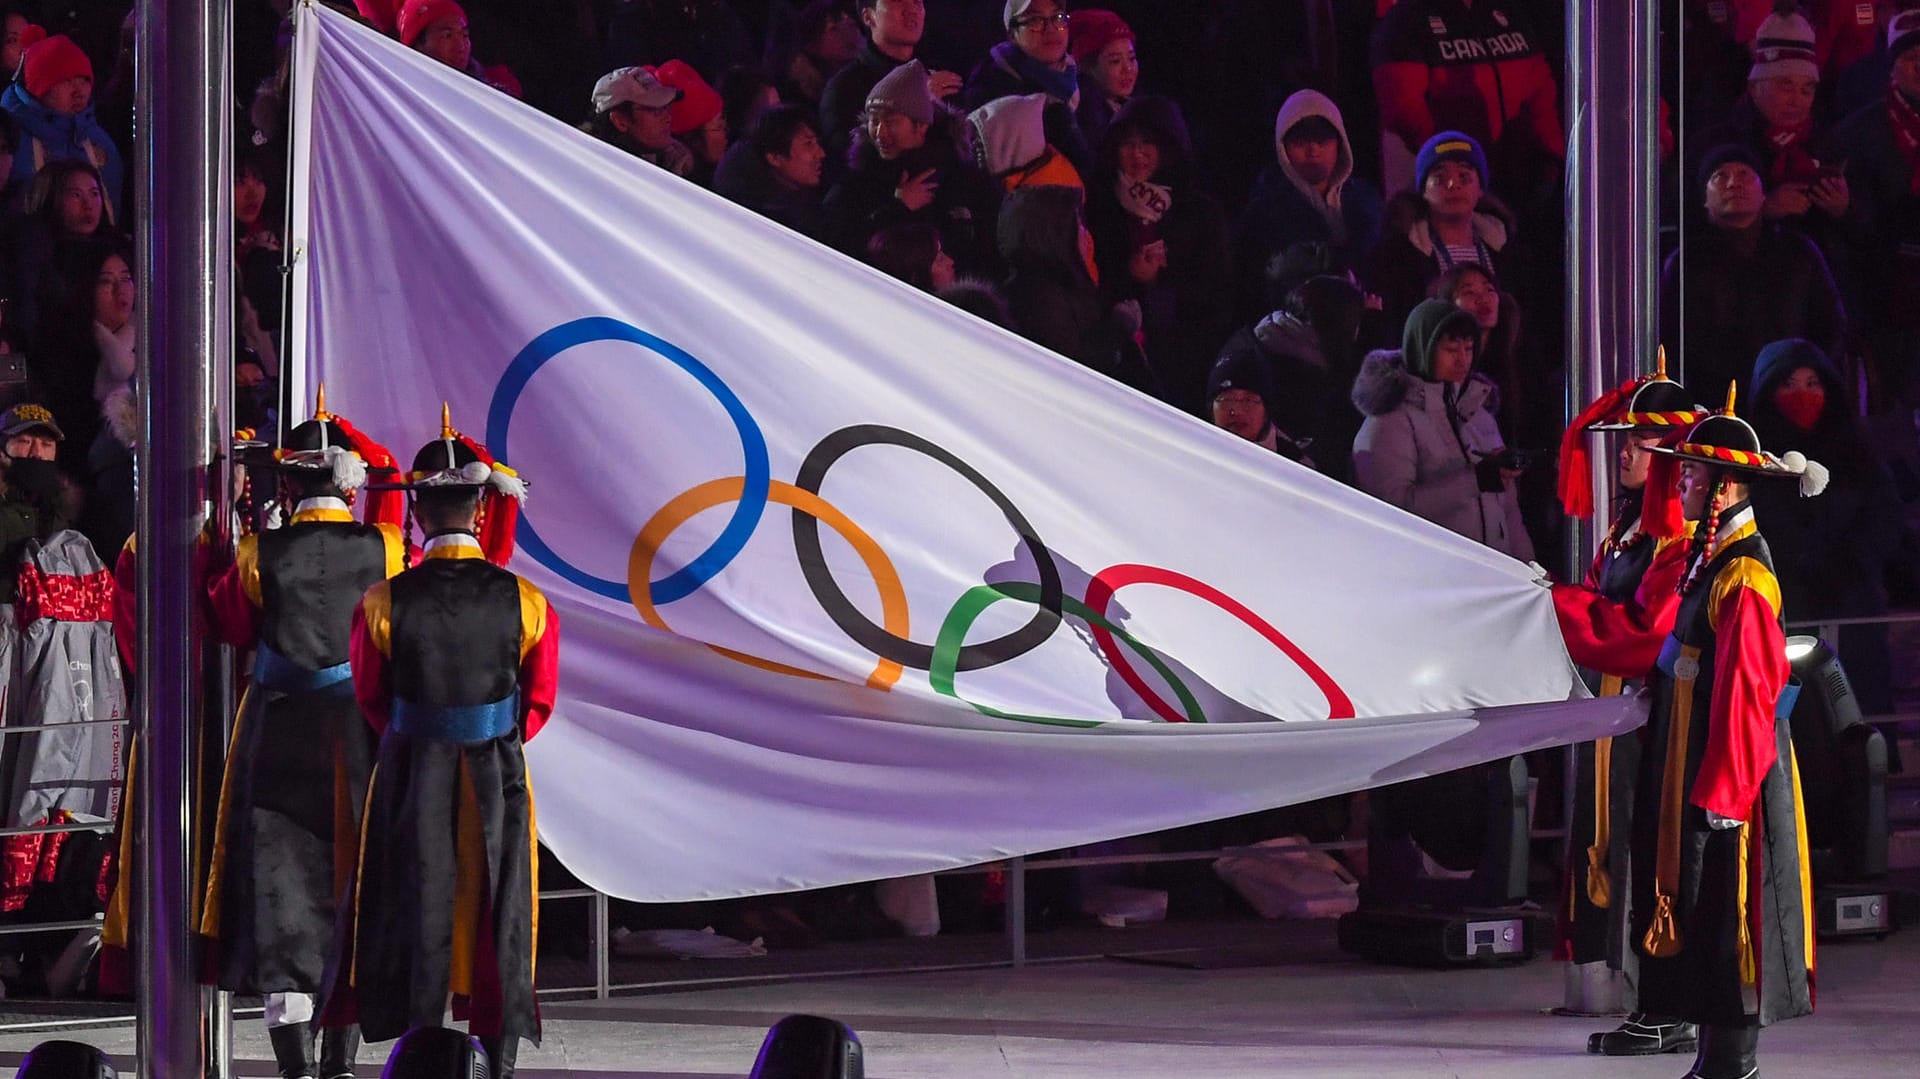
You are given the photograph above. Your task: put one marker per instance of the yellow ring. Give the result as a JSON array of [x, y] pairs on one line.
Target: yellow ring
[[646, 545]]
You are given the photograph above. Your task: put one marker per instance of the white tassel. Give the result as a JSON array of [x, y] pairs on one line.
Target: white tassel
[[475, 472], [507, 484], [349, 471], [1815, 479], [276, 516], [1813, 474]]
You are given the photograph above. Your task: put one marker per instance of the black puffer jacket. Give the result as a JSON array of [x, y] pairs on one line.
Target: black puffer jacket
[[963, 207], [744, 178]]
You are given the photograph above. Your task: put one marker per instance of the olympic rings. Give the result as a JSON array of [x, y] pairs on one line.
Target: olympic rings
[[1112, 579], [753, 444], [893, 598], [879, 640], [889, 640], [953, 631]]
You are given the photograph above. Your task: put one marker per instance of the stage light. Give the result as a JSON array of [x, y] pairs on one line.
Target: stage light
[[1843, 787], [809, 1047], [436, 1053], [66, 1060]]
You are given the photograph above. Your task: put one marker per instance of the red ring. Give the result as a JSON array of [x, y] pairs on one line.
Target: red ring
[[1114, 578]]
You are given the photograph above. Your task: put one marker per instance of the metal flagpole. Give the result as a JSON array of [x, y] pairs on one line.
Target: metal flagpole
[[1613, 160], [179, 51]]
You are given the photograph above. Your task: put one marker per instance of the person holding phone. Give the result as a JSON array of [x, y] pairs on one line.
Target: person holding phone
[[1803, 167]]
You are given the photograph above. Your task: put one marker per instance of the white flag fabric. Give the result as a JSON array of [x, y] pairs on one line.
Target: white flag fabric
[[851, 584]]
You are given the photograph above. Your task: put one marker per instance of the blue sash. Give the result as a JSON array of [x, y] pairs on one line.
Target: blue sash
[[273, 671], [466, 724], [1782, 707], [1669, 652]]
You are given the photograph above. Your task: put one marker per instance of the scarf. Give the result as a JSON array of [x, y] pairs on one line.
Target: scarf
[[1791, 161], [117, 360], [1143, 199], [1904, 119], [1062, 85]]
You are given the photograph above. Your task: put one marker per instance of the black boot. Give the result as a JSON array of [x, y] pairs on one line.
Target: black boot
[[338, 1047], [1726, 1053], [1645, 1035], [500, 1054], [293, 1050]]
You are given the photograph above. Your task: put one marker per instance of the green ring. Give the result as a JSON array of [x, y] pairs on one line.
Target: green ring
[[953, 634]]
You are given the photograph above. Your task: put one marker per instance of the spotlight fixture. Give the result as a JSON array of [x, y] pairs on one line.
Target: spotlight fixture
[[436, 1053], [66, 1060], [809, 1047]]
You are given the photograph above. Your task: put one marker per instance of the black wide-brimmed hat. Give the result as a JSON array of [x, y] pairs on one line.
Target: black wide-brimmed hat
[[1657, 404], [1727, 442], [319, 448], [454, 461]]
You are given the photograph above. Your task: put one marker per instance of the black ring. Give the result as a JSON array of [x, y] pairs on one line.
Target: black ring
[[907, 653]]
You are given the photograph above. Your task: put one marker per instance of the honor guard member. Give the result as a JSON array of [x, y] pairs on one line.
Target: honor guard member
[[1722, 906], [455, 663], [1614, 623], [297, 771]]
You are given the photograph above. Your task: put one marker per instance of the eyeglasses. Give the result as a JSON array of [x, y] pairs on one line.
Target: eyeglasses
[[1036, 23]]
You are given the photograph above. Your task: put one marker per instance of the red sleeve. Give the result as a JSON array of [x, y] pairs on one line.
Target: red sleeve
[[1401, 88], [236, 621], [540, 676], [370, 683], [1749, 671], [380, 506], [1622, 638], [1542, 106], [125, 613]]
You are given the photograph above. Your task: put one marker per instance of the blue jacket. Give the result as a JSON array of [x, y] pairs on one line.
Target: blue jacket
[[47, 136]]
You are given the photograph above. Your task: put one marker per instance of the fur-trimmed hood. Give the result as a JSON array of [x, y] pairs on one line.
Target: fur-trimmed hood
[[121, 411], [1406, 215], [979, 297], [1384, 384]]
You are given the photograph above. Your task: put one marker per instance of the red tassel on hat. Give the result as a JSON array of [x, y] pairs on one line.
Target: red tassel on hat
[[1661, 514], [1576, 461], [388, 506], [499, 512]]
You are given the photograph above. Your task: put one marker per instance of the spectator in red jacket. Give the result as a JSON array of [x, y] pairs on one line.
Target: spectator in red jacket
[[1474, 66]]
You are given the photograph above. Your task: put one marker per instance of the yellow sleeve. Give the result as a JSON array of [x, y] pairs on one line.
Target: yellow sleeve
[[396, 548], [1743, 573], [246, 559], [533, 616], [376, 608]]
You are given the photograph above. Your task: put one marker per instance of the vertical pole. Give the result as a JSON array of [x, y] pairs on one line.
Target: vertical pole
[[1613, 161], [602, 947], [180, 108], [1017, 910], [1612, 214]]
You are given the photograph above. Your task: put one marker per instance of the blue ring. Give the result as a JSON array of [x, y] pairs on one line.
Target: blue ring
[[687, 579]]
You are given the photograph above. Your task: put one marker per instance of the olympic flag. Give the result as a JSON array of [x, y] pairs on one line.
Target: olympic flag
[[851, 584]]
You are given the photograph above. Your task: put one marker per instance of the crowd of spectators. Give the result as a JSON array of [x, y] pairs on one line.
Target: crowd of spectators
[[1334, 228]]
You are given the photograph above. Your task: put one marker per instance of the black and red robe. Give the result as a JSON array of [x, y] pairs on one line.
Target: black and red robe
[[1722, 917], [455, 663], [1614, 623], [296, 773]]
